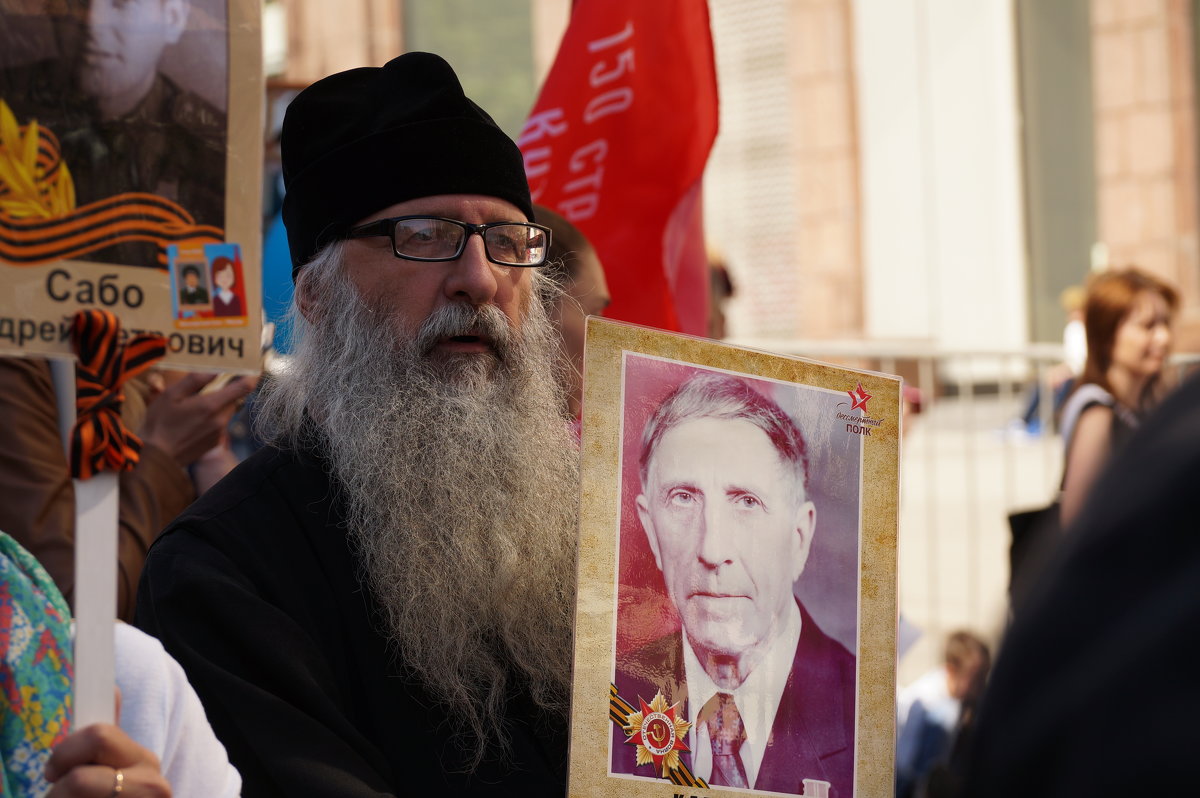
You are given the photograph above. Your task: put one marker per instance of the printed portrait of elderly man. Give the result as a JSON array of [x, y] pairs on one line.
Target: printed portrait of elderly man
[[726, 510]]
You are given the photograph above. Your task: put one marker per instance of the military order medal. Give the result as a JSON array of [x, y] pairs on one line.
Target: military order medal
[[658, 734]]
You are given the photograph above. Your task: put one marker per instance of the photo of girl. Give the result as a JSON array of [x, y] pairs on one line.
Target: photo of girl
[[227, 293]]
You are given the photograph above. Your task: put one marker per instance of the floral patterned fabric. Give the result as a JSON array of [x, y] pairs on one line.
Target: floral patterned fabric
[[35, 670]]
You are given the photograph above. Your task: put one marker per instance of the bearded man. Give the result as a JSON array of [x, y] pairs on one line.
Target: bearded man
[[380, 601]]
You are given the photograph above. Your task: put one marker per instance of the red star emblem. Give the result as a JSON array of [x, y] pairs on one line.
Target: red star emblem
[[658, 734], [859, 398]]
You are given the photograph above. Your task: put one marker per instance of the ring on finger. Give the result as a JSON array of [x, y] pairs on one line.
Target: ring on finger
[[118, 782]]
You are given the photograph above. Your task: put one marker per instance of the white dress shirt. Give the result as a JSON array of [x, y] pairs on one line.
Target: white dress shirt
[[757, 699]]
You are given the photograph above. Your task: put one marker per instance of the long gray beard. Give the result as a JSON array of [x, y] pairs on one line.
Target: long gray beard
[[460, 479]]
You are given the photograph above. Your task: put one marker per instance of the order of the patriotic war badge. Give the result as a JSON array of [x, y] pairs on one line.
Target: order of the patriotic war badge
[[657, 732]]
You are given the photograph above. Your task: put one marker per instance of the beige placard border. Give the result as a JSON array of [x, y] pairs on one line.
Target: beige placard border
[[22, 288], [591, 729]]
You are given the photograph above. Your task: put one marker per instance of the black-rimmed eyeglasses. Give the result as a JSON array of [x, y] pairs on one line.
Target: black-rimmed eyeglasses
[[433, 238]]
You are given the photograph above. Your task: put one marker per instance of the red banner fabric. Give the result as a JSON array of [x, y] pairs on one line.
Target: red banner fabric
[[617, 144]]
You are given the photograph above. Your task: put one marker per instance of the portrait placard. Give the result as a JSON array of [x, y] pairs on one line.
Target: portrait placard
[[736, 617], [130, 149]]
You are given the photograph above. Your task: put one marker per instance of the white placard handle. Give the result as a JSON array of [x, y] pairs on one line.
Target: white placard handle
[[95, 572], [95, 597]]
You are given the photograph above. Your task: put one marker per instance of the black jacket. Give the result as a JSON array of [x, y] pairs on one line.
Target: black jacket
[[254, 590]]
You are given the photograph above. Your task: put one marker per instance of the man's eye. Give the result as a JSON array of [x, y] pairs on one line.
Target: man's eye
[[681, 498], [425, 239], [747, 502], [508, 244]]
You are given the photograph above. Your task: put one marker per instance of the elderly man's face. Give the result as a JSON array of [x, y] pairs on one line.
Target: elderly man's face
[[116, 45], [409, 291], [730, 529]]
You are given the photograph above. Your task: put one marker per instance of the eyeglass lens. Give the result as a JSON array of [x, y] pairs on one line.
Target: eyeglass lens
[[514, 244]]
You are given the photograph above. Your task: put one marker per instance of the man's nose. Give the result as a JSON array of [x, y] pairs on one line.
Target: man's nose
[[472, 277], [716, 536]]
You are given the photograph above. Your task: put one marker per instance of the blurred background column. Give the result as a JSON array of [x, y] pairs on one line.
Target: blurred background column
[[1144, 94]]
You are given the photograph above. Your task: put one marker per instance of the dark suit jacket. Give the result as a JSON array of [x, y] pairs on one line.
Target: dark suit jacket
[[813, 733], [193, 296]]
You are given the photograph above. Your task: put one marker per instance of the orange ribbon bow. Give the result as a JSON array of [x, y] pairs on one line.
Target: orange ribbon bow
[[100, 438]]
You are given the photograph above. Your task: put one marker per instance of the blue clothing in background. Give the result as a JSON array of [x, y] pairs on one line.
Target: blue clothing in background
[[277, 281]]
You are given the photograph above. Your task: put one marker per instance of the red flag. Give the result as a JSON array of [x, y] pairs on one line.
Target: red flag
[[617, 144]]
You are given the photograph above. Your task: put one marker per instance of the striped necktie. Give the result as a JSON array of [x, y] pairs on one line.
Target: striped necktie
[[726, 733]]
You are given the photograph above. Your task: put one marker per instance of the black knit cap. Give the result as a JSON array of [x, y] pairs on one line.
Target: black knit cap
[[358, 141]]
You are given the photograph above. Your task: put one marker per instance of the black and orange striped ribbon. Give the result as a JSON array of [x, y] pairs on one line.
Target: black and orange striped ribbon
[[100, 439], [113, 220], [619, 711], [119, 219]]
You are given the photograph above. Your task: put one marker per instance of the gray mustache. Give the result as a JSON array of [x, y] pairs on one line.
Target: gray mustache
[[454, 320]]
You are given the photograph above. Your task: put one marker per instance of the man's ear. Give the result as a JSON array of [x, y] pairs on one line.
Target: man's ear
[[308, 306], [806, 524], [175, 17], [643, 508]]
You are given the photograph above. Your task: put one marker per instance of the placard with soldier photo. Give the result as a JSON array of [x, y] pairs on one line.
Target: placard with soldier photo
[[128, 129], [735, 626]]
